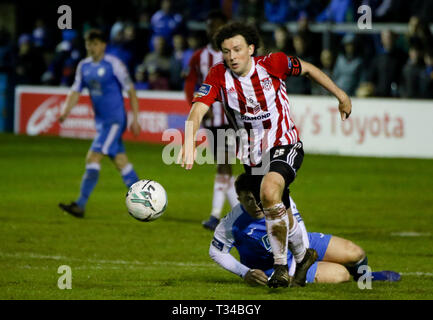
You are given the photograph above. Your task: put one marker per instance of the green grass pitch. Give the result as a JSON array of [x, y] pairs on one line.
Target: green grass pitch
[[384, 205]]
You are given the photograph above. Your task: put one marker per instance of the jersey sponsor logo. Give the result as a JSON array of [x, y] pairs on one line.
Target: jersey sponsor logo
[[266, 84], [252, 106], [203, 90], [261, 117], [217, 244], [266, 243]]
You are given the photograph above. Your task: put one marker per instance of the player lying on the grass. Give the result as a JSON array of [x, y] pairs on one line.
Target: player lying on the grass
[[245, 229]]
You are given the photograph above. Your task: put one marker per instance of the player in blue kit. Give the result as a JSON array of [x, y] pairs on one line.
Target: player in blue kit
[[105, 77], [245, 229]]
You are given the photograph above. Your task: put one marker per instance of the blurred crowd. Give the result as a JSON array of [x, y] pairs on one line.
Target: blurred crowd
[[157, 44]]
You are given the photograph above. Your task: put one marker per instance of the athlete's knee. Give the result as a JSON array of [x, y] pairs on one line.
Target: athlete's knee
[[271, 189], [121, 161], [354, 252], [94, 157], [341, 274]]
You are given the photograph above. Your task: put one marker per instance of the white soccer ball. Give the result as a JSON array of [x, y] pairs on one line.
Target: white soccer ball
[[146, 200]]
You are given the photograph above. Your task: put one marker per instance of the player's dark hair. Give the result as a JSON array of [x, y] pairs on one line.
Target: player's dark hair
[[95, 34], [217, 15], [248, 183], [250, 34]]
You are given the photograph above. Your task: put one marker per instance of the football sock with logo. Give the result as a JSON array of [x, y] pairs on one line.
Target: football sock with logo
[[219, 194], [353, 270], [129, 176], [295, 241], [88, 183], [231, 192], [277, 223]]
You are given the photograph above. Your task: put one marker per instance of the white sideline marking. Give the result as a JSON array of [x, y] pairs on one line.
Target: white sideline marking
[[97, 261], [410, 234], [420, 274]]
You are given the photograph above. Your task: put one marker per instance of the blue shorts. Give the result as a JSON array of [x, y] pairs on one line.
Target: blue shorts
[[108, 140], [319, 242]]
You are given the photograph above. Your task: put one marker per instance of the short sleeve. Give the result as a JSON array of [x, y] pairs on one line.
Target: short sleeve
[[120, 72], [78, 81], [281, 65], [209, 91]]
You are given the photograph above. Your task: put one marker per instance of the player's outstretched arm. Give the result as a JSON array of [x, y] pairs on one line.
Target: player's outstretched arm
[[192, 124], [135, 126], [71, 101], [311, 71]]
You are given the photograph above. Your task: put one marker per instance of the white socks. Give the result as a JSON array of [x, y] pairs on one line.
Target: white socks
[[277, 224], [295, 241], [223, 187]]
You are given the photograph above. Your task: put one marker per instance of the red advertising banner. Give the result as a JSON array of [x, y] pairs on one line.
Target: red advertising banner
[[38, 108]]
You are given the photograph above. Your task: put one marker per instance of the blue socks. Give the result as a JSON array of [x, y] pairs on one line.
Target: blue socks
[[129, 176], [91, 176], [88, 183]]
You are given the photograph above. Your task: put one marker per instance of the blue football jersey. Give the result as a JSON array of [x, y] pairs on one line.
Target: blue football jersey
[[249, 236], [105, 81]]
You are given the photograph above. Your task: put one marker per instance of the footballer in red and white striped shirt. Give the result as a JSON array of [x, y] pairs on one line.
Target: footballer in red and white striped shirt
[[254, 96]]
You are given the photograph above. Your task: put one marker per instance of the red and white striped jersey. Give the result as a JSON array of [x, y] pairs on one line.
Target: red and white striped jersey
[[200, 64], [257, 102]]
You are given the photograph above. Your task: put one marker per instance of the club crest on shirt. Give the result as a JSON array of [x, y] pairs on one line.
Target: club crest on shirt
[[266, 84], [101, 71], [203, 90]]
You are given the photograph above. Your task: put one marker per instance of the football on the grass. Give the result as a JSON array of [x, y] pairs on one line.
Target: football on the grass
[[146, 200]]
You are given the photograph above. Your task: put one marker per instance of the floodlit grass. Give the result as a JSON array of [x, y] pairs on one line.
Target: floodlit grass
[[112, 256]]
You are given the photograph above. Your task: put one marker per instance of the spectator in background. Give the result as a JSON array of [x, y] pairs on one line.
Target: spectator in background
[[282, 40], [300, 85], [314, 40], [140, 75], [338, 11], [385, 70], [348, 67], [62, 66], [412, 71], [427, 75], [193, 44], [157, 64], [164, 23], [177, 70], [117, 47], [41, 36], [420, 30], [327, 63], [29, 62]]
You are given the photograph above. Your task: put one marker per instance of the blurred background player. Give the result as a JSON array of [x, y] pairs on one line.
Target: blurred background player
[[105, 76], [255, 98], [199, 66], [245, 229]]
